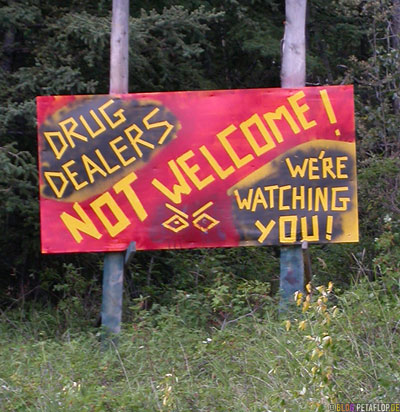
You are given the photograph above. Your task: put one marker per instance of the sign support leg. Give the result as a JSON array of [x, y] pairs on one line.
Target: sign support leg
[[293, 74], [113, 280], [291, 275], [114, 262], [113, 277]]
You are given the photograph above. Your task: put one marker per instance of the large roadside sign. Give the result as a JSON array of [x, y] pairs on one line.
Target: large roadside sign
[[192, 169]]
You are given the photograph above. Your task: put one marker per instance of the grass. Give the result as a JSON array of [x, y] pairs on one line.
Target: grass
[[162, 363]]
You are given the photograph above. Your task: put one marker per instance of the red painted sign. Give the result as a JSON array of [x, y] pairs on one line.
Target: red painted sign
[[197, 169]]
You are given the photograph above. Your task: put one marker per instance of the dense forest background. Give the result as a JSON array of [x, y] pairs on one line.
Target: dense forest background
[[57, 47], [201, 328]]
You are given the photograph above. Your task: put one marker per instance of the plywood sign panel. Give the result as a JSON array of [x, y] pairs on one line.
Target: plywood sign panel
[[193, 169]]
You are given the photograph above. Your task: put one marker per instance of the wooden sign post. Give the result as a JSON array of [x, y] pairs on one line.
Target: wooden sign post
[[113, 271], [293, 75]]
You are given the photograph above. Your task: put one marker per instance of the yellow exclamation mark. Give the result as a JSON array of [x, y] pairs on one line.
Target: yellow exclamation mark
[[329, 226], [329, 109]]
